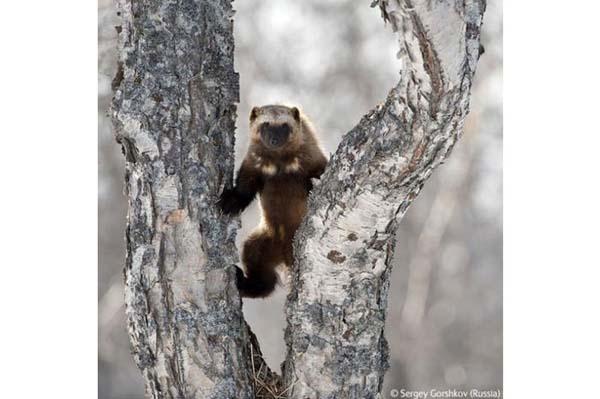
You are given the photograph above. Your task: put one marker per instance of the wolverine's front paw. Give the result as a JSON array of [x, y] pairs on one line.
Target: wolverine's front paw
[[229, 202]]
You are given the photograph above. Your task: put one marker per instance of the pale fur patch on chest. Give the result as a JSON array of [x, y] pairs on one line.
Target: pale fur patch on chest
[[270, 169], [266, 167], [293, 166]]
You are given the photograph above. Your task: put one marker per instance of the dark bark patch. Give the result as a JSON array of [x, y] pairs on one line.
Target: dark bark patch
[[431, 63], [336, 256], [116, 82], [352, 236], [128, 148]]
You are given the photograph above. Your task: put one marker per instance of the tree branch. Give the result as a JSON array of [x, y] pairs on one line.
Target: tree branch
[[336, 308]]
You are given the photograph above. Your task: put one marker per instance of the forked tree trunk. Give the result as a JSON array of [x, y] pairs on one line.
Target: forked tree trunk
[[174, 112]]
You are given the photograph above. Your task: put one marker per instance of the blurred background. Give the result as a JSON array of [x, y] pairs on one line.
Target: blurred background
[[336, 59]]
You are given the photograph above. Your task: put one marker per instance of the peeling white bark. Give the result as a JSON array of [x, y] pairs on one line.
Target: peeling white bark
[[337, 305], [174, 112]]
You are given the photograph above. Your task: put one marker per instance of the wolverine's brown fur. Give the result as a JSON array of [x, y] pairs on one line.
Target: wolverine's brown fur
[[283, 156]]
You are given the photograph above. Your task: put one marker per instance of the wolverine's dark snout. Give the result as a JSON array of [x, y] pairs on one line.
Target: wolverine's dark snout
[[274, 136]]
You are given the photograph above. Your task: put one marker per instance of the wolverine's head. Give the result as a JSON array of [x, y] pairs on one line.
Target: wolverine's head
[[276, 128]]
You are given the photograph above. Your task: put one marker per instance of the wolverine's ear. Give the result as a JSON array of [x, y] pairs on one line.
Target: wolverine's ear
[[253, 114], [296, 113]]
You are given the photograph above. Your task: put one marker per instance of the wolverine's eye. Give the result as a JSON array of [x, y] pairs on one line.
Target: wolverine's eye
[[286, 128]]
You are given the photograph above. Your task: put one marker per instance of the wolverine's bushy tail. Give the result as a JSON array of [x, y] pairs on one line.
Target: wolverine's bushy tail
[[256, 285], [261, 255]]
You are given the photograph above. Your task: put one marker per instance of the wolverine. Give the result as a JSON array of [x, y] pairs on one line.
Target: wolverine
[[283, 156]]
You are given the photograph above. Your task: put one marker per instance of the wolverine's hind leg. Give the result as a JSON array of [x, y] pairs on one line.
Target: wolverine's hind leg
[[261, 254]]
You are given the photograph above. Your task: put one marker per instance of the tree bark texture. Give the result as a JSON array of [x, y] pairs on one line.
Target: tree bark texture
[[174, 114], [336, 308]]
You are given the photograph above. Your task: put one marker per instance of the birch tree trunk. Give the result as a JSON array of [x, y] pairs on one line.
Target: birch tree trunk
[[336, 308], [174, 112]]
